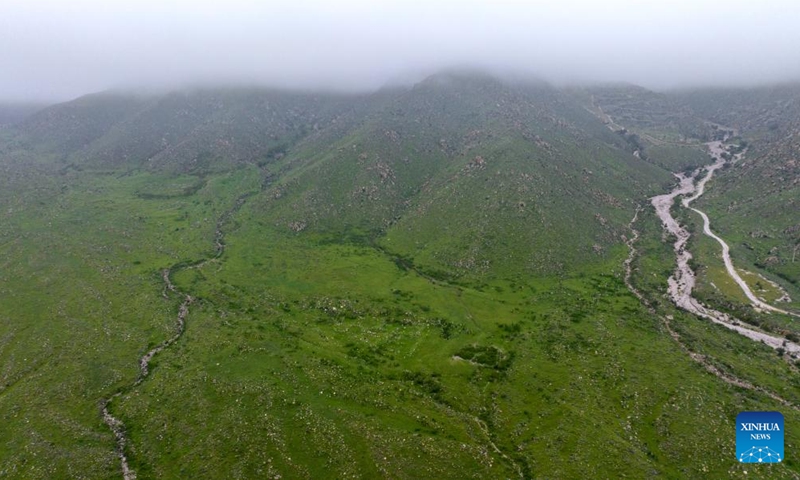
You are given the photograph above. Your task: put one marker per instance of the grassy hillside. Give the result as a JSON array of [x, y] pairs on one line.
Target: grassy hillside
[[755, 201], [187, 132], [752, 202], [470, 177], [658, 118], [752, 109]]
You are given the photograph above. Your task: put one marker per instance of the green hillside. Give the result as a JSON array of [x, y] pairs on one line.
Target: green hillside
[[470, 178], [188, 132], [757, 200]]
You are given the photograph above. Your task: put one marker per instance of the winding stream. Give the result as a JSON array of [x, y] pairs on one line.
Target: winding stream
[[116, 425], [683, 279]]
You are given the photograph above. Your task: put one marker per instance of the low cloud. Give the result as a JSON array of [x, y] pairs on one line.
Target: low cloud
[[58, 50]]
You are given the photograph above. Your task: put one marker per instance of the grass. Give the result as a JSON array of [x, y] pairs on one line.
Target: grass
[[753, 213], [362, 338], [322, 359], [677, 158], [482, 339], [82, 300], [765, 290], [716, 288]]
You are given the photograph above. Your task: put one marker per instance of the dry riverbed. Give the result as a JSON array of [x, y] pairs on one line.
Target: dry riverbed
[[683, 279]]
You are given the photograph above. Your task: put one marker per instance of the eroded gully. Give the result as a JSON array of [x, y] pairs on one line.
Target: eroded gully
[[116, 425]]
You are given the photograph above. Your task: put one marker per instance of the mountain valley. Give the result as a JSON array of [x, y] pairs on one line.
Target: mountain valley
[[434, 281]]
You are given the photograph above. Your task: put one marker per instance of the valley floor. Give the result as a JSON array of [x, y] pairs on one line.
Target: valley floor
[[311, 359], [683, 281]]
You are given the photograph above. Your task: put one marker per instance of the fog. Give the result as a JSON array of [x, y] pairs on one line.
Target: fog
[[56, 50]]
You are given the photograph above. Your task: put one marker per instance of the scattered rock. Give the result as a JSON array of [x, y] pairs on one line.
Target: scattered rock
[[297, 226]]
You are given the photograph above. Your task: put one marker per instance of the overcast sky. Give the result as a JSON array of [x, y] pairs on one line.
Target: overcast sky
[[57, 49]]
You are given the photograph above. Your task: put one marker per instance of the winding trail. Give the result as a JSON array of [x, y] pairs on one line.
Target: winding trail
[[604, 117], [683, 280], [116, 425]]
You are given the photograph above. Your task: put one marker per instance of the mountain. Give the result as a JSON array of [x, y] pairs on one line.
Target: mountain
[[423, 281], [181, 132], [496, 166], [659, 116], [470, 177]]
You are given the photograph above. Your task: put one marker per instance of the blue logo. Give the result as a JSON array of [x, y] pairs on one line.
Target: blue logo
[[759, 437]]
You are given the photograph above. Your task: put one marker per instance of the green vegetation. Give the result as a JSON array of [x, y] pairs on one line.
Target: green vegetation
[[754, 203], [421, 283]]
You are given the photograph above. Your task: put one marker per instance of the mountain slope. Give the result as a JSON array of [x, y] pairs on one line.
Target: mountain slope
[[757, 199], [190, 132], [471, 176]]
